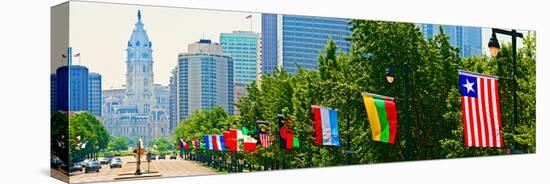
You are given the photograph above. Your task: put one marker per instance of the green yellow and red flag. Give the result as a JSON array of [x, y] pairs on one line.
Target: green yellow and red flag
[[382, 116]]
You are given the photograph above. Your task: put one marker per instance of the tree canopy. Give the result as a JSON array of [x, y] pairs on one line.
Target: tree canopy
[[425, 87]]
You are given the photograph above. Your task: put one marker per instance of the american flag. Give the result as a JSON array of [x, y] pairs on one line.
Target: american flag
[[266, 140], [480, 110]]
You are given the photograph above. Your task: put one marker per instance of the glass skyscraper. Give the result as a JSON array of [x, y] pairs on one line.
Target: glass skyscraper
[[71, 88], [468, 39], [94, 94], [242, 47], [204, 78], [290, 40]]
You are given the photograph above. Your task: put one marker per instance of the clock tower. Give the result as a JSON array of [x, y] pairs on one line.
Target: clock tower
[[139, 71]]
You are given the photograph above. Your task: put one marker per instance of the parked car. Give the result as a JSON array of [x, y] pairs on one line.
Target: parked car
[[116, 162], [92, 166], [162, 157], [63, 166], [104, 160], [173, 157], [153, 157], [85, 163], [76, 167], [55, 162]]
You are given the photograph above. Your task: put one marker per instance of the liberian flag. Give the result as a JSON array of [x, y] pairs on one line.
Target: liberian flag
[[326, 126], [218, 143], [382, 117], [480, 110]]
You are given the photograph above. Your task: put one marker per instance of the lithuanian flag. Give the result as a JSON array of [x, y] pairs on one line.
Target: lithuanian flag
[[382, 117]]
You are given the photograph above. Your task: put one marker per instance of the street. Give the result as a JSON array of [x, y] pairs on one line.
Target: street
[[166, 168]]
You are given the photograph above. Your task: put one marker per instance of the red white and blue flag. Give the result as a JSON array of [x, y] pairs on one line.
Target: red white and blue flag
[[326, 126], [218, 143], [181, 144], [208, 142], [480, 110]]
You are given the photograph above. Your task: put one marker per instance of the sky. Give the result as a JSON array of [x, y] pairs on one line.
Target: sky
[[100, 32]]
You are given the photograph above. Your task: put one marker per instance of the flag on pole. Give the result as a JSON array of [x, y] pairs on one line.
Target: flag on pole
[[289, 137], [208, 142], [326, 125], [83, 145], [186, 145], [249, 143], [263, 133], [480, 110], [382, 117], [248, 17], [77, 55], [218, 143], [183, 144], [232, 139], [196, 144]]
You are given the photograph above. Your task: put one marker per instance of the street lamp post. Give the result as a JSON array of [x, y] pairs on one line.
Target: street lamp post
[[348, 157], [390, 78], [494, 47]]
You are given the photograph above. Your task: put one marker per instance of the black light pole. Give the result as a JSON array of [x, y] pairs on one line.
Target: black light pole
[[348, 142], [494, 47], [390, 77]]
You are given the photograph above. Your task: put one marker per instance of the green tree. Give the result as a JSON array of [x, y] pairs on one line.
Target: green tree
[[86, 130], [118, 144]]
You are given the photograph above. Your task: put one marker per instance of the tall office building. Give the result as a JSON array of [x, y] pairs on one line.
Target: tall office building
[[468, 39], [53, 96], [242, 47], [94, 94], [290, 40], [71, 88], [173, 99], [204, 78]]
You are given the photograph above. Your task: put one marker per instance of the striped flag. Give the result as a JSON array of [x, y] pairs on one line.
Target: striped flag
[[266, 140], [263, 134], [208, 142], [382, 115], [326, 125], [218, 143], [480, 110]]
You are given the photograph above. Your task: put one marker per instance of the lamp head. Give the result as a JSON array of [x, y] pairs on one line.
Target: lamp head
[[390, 77], [494, 46]]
